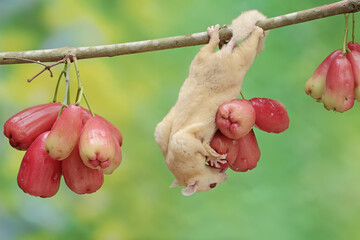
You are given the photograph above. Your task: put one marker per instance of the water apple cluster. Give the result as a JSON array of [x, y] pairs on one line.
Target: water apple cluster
[[236, 138], [336, 80], [74, 144]]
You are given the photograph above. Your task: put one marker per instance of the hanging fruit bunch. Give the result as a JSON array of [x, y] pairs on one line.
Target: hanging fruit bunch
[[335, 82], [63, 140], [236, 138]]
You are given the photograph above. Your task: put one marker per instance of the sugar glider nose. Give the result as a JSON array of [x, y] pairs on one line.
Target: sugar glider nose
[[224, 176]]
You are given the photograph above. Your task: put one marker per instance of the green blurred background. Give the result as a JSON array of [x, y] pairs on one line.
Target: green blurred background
[[306, 185]]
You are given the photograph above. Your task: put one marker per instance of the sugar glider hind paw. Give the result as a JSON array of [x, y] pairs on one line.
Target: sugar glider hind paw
[[215, 161], [214, 158]]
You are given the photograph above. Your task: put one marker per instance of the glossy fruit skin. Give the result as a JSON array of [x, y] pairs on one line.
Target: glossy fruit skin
[[115, 132], [354, 46], [338, 93], [354, 59], [225, 145], [97, 144], [235, 118], [86, 115], [78, 177], [248, 153], [314, 86], [65, 133], [116, 160], [271, 115], [24, 127], [39, 174]]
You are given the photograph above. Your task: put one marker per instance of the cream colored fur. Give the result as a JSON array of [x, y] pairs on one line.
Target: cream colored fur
[[214, 78]]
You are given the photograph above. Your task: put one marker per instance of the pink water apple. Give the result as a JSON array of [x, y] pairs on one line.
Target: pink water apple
[[354, 59], [65, 133], [354, 46], [248, 153], [39, 174], [78, 177], [338, 93], [24, 127], [115, 162], [97, 146], [116, 132], [271, 115], [235, 118], [315, 84]]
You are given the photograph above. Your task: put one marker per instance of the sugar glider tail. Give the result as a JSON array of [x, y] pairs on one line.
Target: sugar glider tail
[[243, 25]]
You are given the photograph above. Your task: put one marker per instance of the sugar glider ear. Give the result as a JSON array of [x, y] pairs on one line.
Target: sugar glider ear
[[190, 189], [175, 183]]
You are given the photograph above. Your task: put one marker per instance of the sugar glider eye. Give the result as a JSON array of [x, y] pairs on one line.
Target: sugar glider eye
[[212, 185]]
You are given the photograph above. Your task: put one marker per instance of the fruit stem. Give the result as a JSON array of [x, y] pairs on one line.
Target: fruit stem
[[87, 103], [66, 101], [67, 86], [80, 91], [58, 82], [80, 87], [353, 28], [346, 33], [242, 95]]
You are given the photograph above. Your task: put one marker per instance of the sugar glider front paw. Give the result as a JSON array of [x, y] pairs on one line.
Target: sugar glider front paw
[[213, 32], [259, 31], [215, 162], [262, 34]]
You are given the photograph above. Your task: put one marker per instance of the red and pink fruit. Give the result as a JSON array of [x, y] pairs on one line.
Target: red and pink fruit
[[78, 177], [354, 46], [86, 115], [248, 153], [271, 115], [97, 144], [315, 84], [115, 162], [354, 59], [39, 174], [235, 118], [338, 93], [65, 133], [24, 127]]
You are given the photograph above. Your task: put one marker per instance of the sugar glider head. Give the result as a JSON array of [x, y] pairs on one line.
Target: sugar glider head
[[203, 181]]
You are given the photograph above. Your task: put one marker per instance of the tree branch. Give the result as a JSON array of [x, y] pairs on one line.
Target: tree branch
[[54, 55]]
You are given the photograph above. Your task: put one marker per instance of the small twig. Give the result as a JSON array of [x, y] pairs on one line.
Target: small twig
[[51, 75], [47, 67], [53, 55]]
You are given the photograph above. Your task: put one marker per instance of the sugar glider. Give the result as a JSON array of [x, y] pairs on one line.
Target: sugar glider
[[214, 77]]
